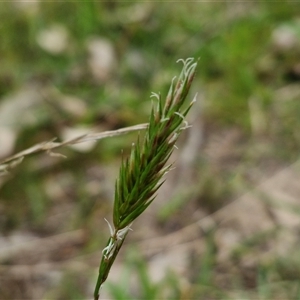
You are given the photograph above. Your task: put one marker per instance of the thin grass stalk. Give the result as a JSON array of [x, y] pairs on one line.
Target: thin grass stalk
[[141, 174]]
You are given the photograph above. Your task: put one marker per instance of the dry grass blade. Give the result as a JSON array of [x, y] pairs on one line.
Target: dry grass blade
[[48, 146]]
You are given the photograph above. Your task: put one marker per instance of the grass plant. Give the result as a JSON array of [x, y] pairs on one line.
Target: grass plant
[[141, 174], [250, 82]]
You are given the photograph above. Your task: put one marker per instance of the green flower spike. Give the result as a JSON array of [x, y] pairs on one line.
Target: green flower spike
[[141, 174]]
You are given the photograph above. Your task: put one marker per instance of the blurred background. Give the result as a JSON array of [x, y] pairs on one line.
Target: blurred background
[[226, 223]]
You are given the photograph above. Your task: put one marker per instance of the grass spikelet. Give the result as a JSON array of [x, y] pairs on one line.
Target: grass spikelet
[[141, 174]]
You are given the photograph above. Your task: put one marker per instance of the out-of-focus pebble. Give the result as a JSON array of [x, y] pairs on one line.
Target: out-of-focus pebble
[[102, 58], [54, 39]]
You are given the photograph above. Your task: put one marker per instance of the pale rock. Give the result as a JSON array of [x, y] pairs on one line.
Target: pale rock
[[102, 58], [74, 106], [16, 112], [29, 7], [284, 38], [54, 39], [7, 141]]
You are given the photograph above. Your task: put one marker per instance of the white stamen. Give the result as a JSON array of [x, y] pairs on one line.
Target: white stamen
[[186, 125], [155, 95], [194, 99], [107, 251], [173, 138], [122, 232], [180, 59], [110, 228], [179, 114]]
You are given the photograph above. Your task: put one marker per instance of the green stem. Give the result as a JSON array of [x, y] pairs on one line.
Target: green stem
[[106, 264]]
